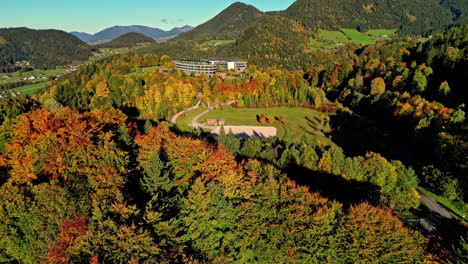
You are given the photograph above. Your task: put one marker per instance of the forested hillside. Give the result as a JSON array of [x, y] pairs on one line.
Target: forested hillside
[[91, 174], [91, 171], [226, 25], [44, 49], [424, 17], [131, 39], [272, 41], [109, 193]]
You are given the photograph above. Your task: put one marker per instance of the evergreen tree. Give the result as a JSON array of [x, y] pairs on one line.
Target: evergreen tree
[[155, 179]]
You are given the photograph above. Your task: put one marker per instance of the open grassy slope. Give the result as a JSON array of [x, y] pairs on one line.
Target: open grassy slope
[[298, 121]]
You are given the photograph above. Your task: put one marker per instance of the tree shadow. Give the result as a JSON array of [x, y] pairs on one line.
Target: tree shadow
[[357, 136], [347, 192], [132, 112]]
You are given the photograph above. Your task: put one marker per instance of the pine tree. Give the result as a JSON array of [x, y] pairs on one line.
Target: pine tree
[[148, 126], [155, 180]]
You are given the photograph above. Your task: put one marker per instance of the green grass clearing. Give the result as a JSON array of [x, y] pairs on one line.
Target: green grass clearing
[[186, 118], [215, 43], [444, 202], [298, 121], [38, 74], [356, 36], [381, 32], [30, 89], [335, 36], [141, 71], [329, 40]]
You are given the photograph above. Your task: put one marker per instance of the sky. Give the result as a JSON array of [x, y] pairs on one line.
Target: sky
[[92, 16]]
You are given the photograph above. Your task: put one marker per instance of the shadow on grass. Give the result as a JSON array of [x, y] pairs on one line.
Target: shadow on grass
[[357, 136]]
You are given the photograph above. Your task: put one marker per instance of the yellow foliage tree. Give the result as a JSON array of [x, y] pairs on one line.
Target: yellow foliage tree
[[102, 90], [377, 86]]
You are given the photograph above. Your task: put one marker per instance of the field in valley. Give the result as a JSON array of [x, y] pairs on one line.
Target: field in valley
[[329, 40]]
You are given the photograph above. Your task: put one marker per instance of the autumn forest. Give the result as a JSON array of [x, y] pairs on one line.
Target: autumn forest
[[92, 170]]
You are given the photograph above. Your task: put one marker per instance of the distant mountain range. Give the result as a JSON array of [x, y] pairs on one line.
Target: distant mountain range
[[131, 39], [112, 33]]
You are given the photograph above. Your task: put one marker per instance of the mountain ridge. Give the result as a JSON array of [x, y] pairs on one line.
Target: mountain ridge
[[227, 24], [114, 32], [130, 39], [420, 17]]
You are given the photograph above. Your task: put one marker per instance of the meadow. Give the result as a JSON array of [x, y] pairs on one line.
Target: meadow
[[36, 73], [297, 121], [329, 40], [215, 43], [31, 89]]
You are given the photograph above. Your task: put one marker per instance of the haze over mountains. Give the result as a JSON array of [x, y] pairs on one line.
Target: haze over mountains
[[112, 33]]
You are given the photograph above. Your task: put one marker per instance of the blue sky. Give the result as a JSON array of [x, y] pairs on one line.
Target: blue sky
[[92, 16]]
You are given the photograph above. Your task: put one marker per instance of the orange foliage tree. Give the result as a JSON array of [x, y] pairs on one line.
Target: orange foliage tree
[[369, 234]]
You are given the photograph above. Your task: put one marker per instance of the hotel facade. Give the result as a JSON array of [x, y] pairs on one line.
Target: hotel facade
[[209, 66]]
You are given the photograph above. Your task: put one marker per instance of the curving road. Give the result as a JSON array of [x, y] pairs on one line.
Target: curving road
[[174, 118], [195, 123], [438, 213]]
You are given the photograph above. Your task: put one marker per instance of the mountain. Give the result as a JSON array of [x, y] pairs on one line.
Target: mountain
[[42, 48], [127, 40], [174, 33], [282, 38], [227, 24], [414, 17], [180, 30], [112, 33], [81, 35]]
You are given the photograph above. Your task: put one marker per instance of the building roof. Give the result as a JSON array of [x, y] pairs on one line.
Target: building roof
[[221, 59]]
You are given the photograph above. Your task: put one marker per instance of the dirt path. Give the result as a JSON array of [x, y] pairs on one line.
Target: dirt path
[[238, 131], [174, 118], [195, 123]]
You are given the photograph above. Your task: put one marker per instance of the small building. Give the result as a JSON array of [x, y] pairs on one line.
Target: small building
[[221, 122], [212, 122], [164, 70]]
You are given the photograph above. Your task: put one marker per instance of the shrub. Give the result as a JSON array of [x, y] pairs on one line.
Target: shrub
[[270, 119], [261, 119]]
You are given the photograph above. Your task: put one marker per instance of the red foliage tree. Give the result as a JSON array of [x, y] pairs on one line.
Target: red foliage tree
[[68, 241]]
